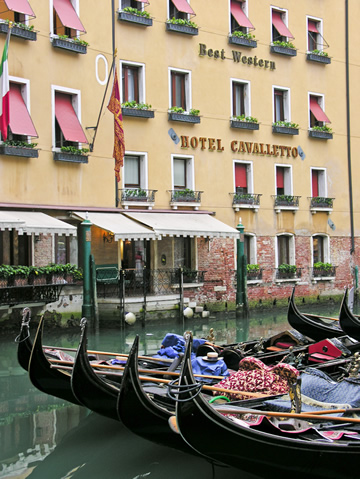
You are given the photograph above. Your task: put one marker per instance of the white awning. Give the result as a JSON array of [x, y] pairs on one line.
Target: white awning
[[28, 222], [183, 224], [122, 227]]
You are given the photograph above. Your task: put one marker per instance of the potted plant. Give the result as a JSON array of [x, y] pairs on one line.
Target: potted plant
[[283, 48], [132, 108], [244, 198], [180, 25], [5, 272], [287, 270], [321, 202], [243, 39], [73, 44], [176, 113], [285, 127], [133, 15], [19, 148], [37, 275], [323, 269], [136, 194], [20, 30], [318, 56], [72, 154], [20, 275], [253, 271], [184, 195], [244, 122], [323, 132]]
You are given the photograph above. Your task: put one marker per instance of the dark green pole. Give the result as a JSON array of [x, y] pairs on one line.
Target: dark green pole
[[241, 296], [86, 247]]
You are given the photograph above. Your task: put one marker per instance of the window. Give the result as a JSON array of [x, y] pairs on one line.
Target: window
[[133, 82], [67, 130], [280, 31], [243, 178], [182, 173], [21, 127], [250, 248], [180, 89], [315, 39], [133, 4], [281, 105], [180, 9], [135, 171], [320, 249], [183, 250], [65, 19], [285, 249], [62, 249], [240, 98], [318, 183], [239, 21], [283, 180], [316, 109], [18, 12]]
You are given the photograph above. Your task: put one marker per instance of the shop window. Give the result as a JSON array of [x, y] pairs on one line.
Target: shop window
[[67, 127], [318, 183], [279, 30], [65, 18], [183, 252], [136, 255], [283, 180], [320, 249], [133, 84], [180, 9], [281, 104], [317, 111], [182, 173], [180, 89], [239, 21], [240, 98], [285, 249]]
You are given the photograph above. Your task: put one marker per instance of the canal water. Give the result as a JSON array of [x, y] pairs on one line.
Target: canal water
[[43, 437]]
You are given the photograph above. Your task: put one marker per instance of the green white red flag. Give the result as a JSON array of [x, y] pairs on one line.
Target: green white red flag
[[5, 90]]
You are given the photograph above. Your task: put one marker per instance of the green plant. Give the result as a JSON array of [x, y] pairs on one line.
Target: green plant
[[74, 40], [249, 119], [135, 193], [238, 197], [320, 52], [253, 268], [184, 194], [19, 144], [316, 200], [177, 109], [284, 44], [322, 128], [286, 198], [137, 106], [248, 36], [323, 266], [287, 268], [194, 112], [30, 28], [180, 21], [135, 11], [74, 151], [287, 124]]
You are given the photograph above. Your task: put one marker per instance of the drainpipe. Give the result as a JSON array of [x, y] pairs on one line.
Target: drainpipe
[[241, 294], [352, 249]]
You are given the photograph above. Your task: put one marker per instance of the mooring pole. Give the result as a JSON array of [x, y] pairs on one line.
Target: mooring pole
[[241, 294], [87, 309]]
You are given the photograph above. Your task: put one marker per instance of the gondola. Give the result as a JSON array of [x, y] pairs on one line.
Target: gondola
[[24, 341], [349, 322], [266, 452], [312, 326]]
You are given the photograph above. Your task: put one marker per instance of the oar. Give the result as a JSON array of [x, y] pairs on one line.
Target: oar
[[103, 353], [302, 415], [150, 371], [167, 381], [321, 317]]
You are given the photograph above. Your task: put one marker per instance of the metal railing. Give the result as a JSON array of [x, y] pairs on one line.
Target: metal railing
[[246, 198], [279, 274], [321, 202], [286, 200], [323, 272], [185, 195], [137, 194]]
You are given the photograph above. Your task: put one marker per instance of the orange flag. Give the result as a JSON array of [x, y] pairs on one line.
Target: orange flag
[[119, 142]]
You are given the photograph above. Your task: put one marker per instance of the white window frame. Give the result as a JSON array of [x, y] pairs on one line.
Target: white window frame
[[76, 103], [249, 175], [245, 9], [287, 101], [121, 7], [141, 79], [327, 257], [253, 248], [143, 168], [247, 95], [321, 97], [168, 9], [188, 96], [25, 92], [284, 17], [319, 21], [190, 173], [322, 182], [75, 4], [291, 248], [288, 182]]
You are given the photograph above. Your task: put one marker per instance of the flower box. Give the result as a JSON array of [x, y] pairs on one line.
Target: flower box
[[20, 280], [244, 42], [3, 283], [19, 151], [314, 57], [291, 52], [244, 125], [138, 19], [137, 112], [323, 135], [69, 45], [285, 130], [183, 117], [19, 32], [174, 27], [71, 157], [37, 280], [55, 278]]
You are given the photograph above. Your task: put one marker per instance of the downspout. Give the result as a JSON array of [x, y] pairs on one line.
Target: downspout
[[352, 249]]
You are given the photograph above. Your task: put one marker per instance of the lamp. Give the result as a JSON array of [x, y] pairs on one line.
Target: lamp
[[108, 237]]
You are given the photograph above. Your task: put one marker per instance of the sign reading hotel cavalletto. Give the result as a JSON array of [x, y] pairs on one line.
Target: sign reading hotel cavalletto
[[250, 147], [237, 57]]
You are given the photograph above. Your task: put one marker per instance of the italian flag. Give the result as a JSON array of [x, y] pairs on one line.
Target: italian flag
[[4, 90]]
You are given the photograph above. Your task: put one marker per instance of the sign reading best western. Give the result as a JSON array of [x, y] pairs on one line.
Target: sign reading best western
[[237, 57]]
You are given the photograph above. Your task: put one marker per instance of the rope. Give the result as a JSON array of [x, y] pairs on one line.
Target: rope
[[26, 316], [174, 390]]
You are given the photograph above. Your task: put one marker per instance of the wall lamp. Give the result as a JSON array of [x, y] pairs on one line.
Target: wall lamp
[[108, 237]]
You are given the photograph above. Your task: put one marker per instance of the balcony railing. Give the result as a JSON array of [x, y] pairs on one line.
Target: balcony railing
[[323, 272], [280, 274], [246, 200], [185, 197], [320, 203], [289, 202], [137, 197]]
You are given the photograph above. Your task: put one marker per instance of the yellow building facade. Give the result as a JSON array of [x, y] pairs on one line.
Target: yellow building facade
[[233, 112]]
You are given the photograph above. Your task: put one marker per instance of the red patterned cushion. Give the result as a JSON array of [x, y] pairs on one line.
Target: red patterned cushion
[[255, 376]]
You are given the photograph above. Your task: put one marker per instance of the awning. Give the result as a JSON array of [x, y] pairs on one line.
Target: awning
[[28, 222], [8, 222], [312, 26], [67, 15], [20, 119], [184, 224], [238, 13], [67, 119], [183, 6], [280, 26], [122, 227], [317, 111], [20, 6]]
